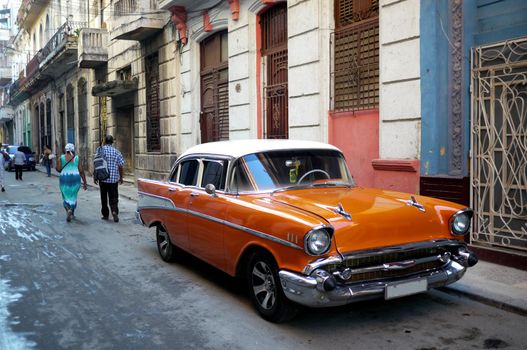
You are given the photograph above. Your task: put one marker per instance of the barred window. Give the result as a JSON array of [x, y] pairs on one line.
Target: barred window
[[153, 123], [356, 55]]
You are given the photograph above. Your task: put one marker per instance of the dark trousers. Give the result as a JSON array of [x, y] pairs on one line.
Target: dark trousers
[[109, 193], [48, 167], [18, 172]]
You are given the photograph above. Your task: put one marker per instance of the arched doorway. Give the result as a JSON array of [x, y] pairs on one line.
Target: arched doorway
[[70, 113], [42, 127], [48, 123], [82, 100]]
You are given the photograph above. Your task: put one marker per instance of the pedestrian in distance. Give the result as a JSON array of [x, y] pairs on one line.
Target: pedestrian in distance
[[4, 158], [19, 160], [46, 159], [71, 172], [109, 187]]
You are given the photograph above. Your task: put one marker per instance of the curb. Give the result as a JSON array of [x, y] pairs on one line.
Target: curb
[[484, 300]]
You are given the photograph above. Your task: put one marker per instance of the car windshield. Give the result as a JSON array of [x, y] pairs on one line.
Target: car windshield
[[268, 171], [12, 149]]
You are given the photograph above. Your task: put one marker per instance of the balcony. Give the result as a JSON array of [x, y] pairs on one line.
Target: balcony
[[93, 47], [29, 12], [137, 19], [17, 93], [61, 50], [5, 75]]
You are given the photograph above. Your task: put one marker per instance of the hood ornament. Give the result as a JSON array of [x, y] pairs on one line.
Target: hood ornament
[[340, 210], [415, 204]]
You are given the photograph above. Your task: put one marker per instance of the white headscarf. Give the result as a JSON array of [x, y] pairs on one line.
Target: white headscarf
[[70, 147]]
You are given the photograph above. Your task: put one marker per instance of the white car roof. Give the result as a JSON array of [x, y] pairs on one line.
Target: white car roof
[[239, 148]]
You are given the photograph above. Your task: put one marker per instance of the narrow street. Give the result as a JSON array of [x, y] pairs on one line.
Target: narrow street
[[91, 284]]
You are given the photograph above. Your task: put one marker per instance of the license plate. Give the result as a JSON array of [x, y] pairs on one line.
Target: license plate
[[397, 290]]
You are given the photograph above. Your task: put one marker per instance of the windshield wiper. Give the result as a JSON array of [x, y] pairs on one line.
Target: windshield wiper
[[330, 184]]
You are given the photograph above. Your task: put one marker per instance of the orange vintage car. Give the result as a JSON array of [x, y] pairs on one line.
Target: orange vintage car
[[287, 217]]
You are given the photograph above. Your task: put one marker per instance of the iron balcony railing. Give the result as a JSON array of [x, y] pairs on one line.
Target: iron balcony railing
[[68, 29], [33, 64], [125, 7], [133, 7]]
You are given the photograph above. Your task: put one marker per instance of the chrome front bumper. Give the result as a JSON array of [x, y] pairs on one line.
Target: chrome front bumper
[[313, 290]]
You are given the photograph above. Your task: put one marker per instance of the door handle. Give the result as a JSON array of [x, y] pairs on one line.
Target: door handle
[[172, 189], [194, 194]]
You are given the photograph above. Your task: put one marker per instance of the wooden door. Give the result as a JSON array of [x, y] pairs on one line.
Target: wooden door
[[214, 119]]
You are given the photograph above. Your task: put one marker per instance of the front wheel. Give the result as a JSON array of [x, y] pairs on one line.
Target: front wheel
[[265, 289], [166, 249]]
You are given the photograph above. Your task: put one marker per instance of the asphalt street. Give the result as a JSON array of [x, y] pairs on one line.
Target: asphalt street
[[93, 284]]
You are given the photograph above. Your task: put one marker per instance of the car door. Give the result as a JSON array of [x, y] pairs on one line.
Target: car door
[[207, 212], [182, 182]]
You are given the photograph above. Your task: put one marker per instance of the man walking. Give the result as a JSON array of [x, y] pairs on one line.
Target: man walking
[[109, 187], [3, 158], [19, 159]]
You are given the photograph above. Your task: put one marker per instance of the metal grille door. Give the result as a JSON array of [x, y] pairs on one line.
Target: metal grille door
[[499, 145], [274, 51]]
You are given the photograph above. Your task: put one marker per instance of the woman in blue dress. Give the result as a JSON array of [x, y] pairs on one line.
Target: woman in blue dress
[[71, 172]]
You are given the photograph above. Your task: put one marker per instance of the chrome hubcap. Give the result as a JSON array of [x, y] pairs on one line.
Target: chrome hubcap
[[162, 241], [264, 286]]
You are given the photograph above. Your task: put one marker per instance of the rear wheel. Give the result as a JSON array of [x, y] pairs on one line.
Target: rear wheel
[[265, 289], [166, 249]]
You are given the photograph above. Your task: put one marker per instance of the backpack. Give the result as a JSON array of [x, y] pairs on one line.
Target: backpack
[[100, 166]]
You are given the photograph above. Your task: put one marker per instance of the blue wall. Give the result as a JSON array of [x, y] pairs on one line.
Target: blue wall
[[484, 22], [434, 51]]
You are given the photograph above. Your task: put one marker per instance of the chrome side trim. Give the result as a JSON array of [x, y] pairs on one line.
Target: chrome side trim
[[245, 229], [147, 200], [158, 202]]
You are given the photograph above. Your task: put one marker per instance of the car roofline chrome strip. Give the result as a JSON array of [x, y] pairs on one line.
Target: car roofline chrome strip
[[220, 221]]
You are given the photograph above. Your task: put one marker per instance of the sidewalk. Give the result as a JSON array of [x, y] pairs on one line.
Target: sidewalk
[[496, 285]]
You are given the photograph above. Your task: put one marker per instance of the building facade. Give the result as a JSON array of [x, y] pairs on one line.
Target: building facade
[[392, 83]]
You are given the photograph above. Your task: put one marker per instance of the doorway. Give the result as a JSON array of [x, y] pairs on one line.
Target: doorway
[[124, 137], [273, 24], [214, 119]]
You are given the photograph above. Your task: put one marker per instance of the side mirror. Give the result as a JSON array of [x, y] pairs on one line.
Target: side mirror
[[211, 189]]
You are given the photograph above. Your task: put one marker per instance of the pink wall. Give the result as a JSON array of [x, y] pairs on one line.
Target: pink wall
[[357, 135]]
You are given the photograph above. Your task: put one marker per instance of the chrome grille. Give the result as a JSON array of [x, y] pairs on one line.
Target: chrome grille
[[389, 265]]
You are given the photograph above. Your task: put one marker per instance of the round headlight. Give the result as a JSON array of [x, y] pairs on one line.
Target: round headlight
[[317, 242], [460, 223]]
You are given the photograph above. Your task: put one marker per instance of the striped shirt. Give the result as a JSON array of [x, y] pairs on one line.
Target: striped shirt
[[115, 160]]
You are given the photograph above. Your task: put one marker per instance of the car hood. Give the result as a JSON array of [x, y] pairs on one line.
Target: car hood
[[378, 218]]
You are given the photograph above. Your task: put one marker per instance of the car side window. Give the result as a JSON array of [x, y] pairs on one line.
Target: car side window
[[188, 174], [240, 181], [214, 172]]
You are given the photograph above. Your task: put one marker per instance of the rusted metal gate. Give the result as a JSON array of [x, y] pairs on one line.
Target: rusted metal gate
[[214, 119], [153, 127], [274, 54], [499, 145], [355, 75]]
